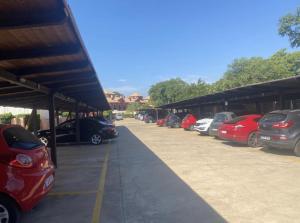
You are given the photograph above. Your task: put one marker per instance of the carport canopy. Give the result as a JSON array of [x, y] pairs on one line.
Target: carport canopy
[[44, 63], [287, 87], [42, 54]]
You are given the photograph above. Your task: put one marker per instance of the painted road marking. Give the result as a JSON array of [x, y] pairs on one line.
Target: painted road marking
[[71, 193], [100, 192]]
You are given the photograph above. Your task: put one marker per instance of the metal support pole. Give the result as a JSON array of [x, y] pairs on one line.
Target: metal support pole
[[77, 121], [34, 119], [156, 114], [281, 102], [57, 116], [52, 142], [258, 107]]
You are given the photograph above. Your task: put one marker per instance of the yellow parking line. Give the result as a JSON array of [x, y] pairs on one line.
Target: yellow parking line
[[71, 193], [100, 193]]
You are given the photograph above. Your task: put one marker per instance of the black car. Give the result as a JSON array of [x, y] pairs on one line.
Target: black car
[[281, 129], [91, 130], [173, 121]]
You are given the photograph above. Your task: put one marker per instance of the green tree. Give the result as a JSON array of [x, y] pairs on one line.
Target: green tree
[[289, 25], [168, 91], [197, 89]]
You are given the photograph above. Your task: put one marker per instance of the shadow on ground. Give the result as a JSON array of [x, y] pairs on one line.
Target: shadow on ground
[[234, 144], [140, 187], [281, 152]]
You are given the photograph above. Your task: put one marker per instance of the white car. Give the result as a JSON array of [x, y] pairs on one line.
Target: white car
[[119, 116], [202, 125]]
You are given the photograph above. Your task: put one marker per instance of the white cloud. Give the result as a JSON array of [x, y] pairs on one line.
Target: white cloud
[[122, 80]]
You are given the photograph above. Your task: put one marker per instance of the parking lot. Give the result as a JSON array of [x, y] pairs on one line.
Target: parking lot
[[170, 175]]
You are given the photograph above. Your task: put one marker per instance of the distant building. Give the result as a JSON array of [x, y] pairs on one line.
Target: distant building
[[119, 102]]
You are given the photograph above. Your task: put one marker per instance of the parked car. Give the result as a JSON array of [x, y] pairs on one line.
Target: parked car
[[162, 122], [173, 121], [218, 120], [103, 120], [241, 129], [141, 117], [26, 172], [91, 130], [149, 119], [202, 125], [118, 116], [281, 129], [188, 122]]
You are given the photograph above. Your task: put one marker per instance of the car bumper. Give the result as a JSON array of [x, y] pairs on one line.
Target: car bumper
[[289, 145], [36, 187], [201, 129], [269, 141], [213, 132]]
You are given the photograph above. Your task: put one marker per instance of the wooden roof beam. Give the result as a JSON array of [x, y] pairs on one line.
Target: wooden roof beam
[[76, 85], [37, 20], [13, 79], [70, 77], [61, 67], [40, 52]]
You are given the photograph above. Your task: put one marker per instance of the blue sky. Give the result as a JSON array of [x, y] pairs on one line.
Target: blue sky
[[136, 43]]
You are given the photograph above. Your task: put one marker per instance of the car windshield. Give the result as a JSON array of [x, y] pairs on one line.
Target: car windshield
[[17, 137], [274, 117]]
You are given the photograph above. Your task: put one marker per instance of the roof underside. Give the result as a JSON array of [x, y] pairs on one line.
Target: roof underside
[[289, 87], [41, 52]]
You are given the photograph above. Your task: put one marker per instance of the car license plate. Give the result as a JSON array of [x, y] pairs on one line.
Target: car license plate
[[49, 181], [267, 138], [215, 129], [223, 131]]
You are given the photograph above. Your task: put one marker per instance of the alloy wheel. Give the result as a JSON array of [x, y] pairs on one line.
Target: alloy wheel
[[96, 139], [253, 140], [44, 140], [4, 215]]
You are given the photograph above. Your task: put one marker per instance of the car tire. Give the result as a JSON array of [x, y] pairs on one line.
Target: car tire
[[9, 210], [253, 140], [297, 149], [96, 139]]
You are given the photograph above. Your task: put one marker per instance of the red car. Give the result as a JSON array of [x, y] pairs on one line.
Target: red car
[[162, 122], [242, 129], [26, 172], [188, 122]]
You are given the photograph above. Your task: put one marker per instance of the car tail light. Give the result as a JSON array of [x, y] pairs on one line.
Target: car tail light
[[283, 125], [21, 161]]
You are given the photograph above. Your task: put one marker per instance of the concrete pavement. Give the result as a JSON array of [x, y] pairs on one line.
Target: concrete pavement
[[160, 175], [170, 175]]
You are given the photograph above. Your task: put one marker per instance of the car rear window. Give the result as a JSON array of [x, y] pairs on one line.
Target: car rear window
[[236, 120], [274, 117], [20, 138], [185, 117], [220, 118]]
